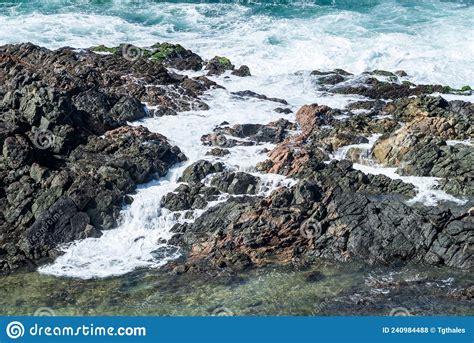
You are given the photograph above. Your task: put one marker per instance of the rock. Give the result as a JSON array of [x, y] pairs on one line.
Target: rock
[[283, 110], [68, 157], [309, 116], [419, 147], [243, 71], [331, 79], [16, 151], [335, 71], [350, 226], [199, 170], [221, 141], [235, 183], [248, 134], [218, 152], [273, 132], [218, 65], [175, 56], [381, 73], [339, 213], [61, 223], [251, 94], [401, 73], [186, 197], [315, 276]]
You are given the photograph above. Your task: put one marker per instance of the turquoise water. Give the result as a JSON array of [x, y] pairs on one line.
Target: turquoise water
[[430, 39]]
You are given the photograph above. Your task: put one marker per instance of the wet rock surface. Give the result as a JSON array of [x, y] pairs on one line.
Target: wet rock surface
[[225, 136], [420, 147], [186, 197], [68, 157], [336, 211], [70, 162]]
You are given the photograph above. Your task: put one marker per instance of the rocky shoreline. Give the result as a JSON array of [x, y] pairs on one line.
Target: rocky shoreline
[[70, 161]]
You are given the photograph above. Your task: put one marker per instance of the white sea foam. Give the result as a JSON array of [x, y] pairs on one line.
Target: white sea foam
[[390, 36], [426, 187], [455, 142], [281, 51], [146, 227]]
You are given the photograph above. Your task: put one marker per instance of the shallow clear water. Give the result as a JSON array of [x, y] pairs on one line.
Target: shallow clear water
[[281, 42], [323, 289]]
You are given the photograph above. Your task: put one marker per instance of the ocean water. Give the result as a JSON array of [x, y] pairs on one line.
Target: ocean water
[[430, 39], [281, 42]]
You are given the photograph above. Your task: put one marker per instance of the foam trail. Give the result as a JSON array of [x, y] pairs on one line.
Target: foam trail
[[389, 35], [281, 43], [426, 187], [141, 240]]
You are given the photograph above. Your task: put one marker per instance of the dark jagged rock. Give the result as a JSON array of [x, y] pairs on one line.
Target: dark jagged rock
[[171, 55], [251, 94], [199, 170], [175, 56], [235, 183], [186, 197], [218, 66], [248, 134], [69, 162], [283, 110], [375, 89], [331, 225], [68, 158], [243, 71], [218, 152], [339, 213], [419, 147], [335, 71]]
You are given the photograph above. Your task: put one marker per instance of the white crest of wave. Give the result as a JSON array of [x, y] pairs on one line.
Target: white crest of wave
[[433, 44]]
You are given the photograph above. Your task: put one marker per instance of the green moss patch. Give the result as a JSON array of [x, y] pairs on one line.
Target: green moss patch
[[224, 61], [103, 48], [163, 51]]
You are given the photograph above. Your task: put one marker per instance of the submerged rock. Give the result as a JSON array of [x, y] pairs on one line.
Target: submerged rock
[[252, 94]]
